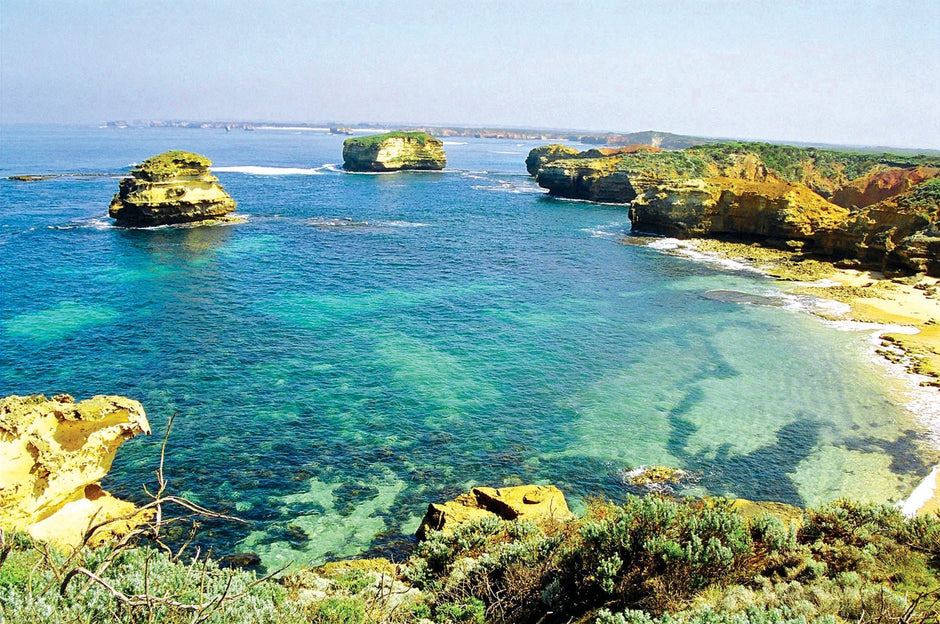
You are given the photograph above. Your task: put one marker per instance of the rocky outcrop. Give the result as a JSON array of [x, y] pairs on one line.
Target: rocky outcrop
[[540, 156], [394, 151], [879, 209], [529, 502], [902, 231], [173, 187], [772, 211], [52, 454], [881, 183]]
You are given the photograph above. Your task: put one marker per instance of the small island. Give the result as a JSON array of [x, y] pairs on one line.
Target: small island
[[394, 151], [170, 188]]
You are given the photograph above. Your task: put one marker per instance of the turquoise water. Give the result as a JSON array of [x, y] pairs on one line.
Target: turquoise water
[[365, 344]]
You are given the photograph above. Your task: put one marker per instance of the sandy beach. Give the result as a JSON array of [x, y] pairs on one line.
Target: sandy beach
[[911, 302]]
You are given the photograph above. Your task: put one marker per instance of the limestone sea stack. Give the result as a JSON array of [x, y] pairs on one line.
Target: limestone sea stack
[[172, 187], [52, 454], [394, 151]]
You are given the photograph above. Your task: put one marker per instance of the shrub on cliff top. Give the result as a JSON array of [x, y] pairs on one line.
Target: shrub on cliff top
[[792, 163], [171, 164], [372, 139], [650, 560]]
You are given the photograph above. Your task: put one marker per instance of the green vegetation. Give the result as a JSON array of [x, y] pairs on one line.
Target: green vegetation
[[922, 199], [373, 139], [794, 164], [651, 560], [171, 164], [665, 165]]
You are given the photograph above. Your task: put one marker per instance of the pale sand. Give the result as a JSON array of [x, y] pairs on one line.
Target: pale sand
[[903, 304], [873, 298]]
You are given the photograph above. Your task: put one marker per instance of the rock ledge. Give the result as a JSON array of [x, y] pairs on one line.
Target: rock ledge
[[510, 503], [52, 454]]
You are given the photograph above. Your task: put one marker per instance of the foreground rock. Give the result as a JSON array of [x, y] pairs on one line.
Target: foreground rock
[[52, 454], [526, 502], [394, 151], [878, 209], [173, 187]]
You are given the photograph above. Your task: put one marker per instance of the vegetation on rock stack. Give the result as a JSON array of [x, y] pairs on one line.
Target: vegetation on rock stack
[[173, 187], [393, 151]]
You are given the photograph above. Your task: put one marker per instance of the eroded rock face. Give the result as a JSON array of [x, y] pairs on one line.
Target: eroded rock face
[[394, 151], [733, 207], [881, 209], [52, 454], [509, 503], [173, 187], [903, 230], [881, 183]]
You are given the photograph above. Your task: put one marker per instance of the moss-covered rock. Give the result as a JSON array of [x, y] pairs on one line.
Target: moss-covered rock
[[394, 151], [172, 187]]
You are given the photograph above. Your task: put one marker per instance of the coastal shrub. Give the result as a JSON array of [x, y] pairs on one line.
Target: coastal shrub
[[652, 560], [657, 552], [798, 164], [471, 611], [337, 610]]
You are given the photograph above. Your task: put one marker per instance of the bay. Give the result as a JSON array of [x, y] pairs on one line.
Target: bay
[[365, 344]]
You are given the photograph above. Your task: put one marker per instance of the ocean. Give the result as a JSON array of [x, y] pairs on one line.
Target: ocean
[[363, 345]]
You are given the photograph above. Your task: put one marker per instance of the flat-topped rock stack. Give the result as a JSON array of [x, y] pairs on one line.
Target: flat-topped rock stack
[[172, 187], [394, 151]]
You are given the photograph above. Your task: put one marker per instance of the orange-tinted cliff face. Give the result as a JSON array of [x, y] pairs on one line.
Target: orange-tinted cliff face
[[880, 184]]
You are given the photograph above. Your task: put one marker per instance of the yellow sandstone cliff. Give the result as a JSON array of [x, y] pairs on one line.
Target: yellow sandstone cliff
[[52, 454]]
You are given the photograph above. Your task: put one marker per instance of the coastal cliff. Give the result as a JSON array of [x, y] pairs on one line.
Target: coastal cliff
[[877, 209], [394, 151], [172, 187], [52, 454]]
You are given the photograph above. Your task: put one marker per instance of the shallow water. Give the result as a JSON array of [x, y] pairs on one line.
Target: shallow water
[[365, 344]]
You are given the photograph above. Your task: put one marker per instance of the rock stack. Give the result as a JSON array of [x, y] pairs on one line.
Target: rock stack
[[173, 187]]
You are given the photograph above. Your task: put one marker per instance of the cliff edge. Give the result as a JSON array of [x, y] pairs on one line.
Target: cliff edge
[[52, 454], [169, 188], [394, 151]]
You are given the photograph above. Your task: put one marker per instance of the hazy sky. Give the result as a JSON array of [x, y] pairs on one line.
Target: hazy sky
[[837, 72]]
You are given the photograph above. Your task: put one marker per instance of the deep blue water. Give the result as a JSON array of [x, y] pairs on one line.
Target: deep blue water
[[331, 379]]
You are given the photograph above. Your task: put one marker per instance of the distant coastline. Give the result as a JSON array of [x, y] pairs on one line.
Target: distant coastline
[[665, 140]]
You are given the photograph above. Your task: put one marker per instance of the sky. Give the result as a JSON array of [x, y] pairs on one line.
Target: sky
[[839, 72]]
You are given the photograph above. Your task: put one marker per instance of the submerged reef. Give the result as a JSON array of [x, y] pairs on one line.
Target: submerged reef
[[172, 187], [52, 454], [394, 151], [878, 210]]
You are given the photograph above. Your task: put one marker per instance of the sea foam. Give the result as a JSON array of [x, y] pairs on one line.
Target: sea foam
[[921, 494], [259, 170]]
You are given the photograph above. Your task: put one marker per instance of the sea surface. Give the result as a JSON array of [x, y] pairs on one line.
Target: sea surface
[[363, 345]]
